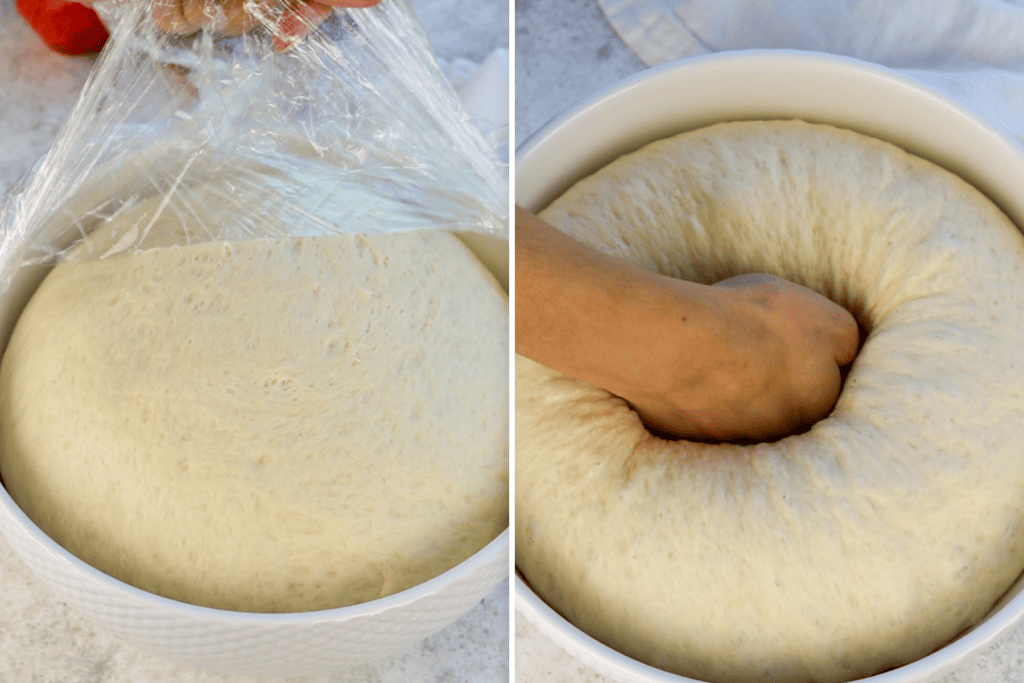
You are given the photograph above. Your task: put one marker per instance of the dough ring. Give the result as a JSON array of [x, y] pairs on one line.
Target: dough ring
[[863, 544]]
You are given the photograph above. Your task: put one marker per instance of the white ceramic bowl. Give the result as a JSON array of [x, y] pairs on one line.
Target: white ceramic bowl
[[750, 85], [299, 644]]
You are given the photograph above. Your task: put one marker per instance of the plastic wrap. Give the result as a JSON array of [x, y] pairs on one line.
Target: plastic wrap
[[209, 138]]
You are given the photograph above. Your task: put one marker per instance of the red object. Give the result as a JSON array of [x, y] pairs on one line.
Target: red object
[[65, 26]]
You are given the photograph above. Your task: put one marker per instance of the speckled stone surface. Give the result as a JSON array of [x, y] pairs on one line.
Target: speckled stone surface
[[41, 639], [564, 52]]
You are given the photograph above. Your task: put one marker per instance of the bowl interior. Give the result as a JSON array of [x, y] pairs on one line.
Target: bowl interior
[[759, 85]]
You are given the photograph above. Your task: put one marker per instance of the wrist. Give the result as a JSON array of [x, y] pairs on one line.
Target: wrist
[[591, 316]]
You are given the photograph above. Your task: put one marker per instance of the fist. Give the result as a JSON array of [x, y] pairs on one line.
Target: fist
[[773, 365]]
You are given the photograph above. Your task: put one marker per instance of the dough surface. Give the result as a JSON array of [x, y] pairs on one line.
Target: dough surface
[[270, 425], [863, 544]]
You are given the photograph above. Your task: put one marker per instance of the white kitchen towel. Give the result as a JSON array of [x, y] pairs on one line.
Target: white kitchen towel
[[470, 41], [484, 91], [973, 50]]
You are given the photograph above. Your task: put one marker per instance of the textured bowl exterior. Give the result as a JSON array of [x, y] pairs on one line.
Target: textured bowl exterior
[[768, 84], [301, 644]]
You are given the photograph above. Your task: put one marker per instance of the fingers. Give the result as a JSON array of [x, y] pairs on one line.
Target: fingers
[[814, 338], [181, 17], [823, 389], [812, 310], [298, 22], [847, 340], [837, 324], [169, 17], [352, 3], [229, 17]]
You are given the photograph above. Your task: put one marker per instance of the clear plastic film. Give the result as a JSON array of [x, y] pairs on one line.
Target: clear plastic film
[[181, 140]]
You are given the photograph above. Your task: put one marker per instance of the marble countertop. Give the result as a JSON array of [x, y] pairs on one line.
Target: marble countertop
[[41, 639], [566, 51]]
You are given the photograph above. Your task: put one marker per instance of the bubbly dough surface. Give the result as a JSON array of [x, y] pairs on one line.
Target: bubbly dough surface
[[269, 425], [865, 543]]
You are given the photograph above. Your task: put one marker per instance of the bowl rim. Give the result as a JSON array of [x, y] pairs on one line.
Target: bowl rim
[[1009, 609], [648, 81], [490, 553], [621, 667]]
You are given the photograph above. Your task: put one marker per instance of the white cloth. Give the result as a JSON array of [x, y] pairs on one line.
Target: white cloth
[[972, 50], [483, 89], [470, 41]]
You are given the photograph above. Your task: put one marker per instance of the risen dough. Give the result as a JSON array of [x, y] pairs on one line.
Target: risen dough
[[863, 544], [267, 425]]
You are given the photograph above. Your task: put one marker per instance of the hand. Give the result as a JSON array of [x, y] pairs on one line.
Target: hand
[[753, 357], [230, 17]]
